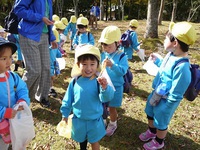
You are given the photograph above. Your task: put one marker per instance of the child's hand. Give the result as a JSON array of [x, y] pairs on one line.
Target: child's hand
[[153, 57], [13, 114], [108, 62], [103, 82]]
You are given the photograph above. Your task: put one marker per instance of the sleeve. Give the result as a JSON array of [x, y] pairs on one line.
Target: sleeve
[[107, 94], [22, 92], [66, 29], [121, 68], [22, 10], [67, 101], [135, 42], [75, 40], [91, 39]]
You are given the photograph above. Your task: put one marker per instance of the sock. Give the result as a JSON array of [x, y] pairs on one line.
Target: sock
[[113, 123], [83, 145], [153, 130], [159, 140]]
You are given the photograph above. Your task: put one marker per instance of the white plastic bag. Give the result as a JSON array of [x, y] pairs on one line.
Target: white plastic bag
[[22, 127], [61, 63], [141, 54]]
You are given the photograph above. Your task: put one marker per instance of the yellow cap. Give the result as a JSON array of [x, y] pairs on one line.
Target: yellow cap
[[82, 21], [81, 15], [110, 35], [2, 29], [73, 19], [134, 23], [56, 34], [184, 32], [64, 21], [55, 17], [82, 50], [59, 25]]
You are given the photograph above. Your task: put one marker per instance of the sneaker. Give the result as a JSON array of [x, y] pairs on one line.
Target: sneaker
[[45, 103], [147, 136], [52, 93], [110, 129], [153, 145]]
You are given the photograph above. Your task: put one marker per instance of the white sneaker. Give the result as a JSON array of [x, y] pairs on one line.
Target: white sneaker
[[110, 129]]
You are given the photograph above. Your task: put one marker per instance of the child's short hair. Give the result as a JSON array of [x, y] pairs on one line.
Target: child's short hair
[[87, 57], [5, 43]]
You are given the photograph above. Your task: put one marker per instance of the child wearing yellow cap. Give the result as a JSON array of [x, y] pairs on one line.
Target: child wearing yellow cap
[[71, 27], [169, 85], [84, 97], [116, 63], [58, 28], [82, 36], [128, 50]]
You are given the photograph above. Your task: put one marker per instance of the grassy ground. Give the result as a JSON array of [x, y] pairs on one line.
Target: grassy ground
[[184, 130]]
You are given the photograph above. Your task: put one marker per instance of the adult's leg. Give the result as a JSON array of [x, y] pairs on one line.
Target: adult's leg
[[45, 80], [32, 60]]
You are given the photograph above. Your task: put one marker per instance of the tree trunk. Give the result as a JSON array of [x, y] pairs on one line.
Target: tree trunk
[[152, 20], [162, 4], [174, 11], [76, 7]]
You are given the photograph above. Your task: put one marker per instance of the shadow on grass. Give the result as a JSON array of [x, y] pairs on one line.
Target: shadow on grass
[[126, 137]]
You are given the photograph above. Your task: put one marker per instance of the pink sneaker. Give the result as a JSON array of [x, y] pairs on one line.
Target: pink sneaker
[[153, 145], [110, 129], [147, 136]]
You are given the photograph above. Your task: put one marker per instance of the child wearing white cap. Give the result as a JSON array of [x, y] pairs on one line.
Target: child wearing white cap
[[116, 66], [174, 79], [82, 36], [84, 97]]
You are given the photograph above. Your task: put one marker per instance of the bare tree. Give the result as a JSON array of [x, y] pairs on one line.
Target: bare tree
[[122, 3], [195, 5], [162, 4], [175, 2], [152, 20]]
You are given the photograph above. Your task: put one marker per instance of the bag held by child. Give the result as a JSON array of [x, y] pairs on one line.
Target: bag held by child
[[22, 127]]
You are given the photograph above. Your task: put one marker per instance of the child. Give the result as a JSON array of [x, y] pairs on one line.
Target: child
[[13, 88], [176, 81], [15, 39], [116, 67], [84, 97], [71, 27], [55, 53], [134, 39], [55, 18], [82, 36]]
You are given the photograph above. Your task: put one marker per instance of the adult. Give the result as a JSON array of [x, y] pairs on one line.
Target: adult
[[94, 14], [35, 33]]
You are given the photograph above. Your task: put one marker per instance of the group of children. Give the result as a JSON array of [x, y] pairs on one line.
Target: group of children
[[89, 89]]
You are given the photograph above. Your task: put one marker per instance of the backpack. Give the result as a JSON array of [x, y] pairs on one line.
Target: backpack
[[126, 39], [11, 38], [12, 21], [128, 77], [194, 86]]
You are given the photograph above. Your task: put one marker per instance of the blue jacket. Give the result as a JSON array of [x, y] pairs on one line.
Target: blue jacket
[[97, 10], [31, 24]]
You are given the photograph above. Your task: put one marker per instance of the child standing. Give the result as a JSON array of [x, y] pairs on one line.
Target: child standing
[[116, 67], [71, 27], [82, 36], [134, 39], [56, 53], [84, 97], [13, 88], [174, 79]]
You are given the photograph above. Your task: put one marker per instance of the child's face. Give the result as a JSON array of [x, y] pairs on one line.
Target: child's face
[[88, 67], [168, 45], [6, 60], [81, 28], [109, 48]]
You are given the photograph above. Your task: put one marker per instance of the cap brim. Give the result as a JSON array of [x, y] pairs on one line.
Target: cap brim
[[11, 44], [106, 41]]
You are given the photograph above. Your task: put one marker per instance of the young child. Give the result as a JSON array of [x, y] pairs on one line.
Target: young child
[[82, 36], [116, 67], [15, 39], [56, 53], [13, 88], [84, 97], [134, 39], [71, 27], [176, 81]]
